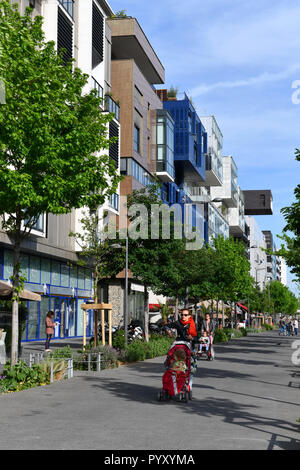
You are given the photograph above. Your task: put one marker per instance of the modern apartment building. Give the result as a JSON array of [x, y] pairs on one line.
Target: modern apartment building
[[257, 255], [49, 255], [190, 151], [147, 130], [214, 160], [273, 261]]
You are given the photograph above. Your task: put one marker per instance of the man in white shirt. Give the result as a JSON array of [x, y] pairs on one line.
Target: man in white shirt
[[296, 326]]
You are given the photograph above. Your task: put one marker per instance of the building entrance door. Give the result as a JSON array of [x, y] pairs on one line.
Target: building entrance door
[[61, 308]]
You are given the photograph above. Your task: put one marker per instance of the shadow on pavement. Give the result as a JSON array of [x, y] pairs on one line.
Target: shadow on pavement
[[234, 413]]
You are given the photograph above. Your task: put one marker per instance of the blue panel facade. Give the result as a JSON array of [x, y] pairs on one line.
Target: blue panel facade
[[190, 141]]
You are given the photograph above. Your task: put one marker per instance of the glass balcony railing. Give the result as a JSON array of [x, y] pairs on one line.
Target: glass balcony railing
[[98, 88], [112, 107], [68, 5], [162, 166]]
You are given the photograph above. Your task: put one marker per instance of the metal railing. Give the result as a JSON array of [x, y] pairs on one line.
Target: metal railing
[[112, 107], [68, 367]]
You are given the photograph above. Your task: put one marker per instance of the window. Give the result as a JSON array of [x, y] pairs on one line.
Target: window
[[67, 4], [262, 199], [136, 139], [64, 35], [97, 37], [114, 148], [39, 228]]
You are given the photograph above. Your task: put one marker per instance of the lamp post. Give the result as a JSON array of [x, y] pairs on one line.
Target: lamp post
[[116, 245]]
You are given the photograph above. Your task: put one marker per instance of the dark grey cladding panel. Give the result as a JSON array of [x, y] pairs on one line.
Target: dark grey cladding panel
[[258, 202]]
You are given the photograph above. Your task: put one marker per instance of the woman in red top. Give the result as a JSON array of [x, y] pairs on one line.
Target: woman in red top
[[185, 326], [49, 329], [186, 319]]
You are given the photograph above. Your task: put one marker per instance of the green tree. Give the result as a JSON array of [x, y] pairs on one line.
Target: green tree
[[52, 137], [97, 253], [290, 248], [278, 298], [151, 259]]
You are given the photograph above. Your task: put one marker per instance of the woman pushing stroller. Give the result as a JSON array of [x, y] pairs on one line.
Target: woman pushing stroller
[[180, 363], [207, 331]]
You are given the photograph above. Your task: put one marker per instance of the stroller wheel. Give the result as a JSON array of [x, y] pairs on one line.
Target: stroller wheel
[[183, 397], [190, 395]]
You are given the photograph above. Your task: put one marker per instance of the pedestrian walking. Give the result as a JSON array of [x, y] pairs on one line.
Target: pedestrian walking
[[208, 326], [282, 326], [49, 329], [296, 326]]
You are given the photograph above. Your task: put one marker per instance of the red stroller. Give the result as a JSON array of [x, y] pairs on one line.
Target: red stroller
[[177, 384]]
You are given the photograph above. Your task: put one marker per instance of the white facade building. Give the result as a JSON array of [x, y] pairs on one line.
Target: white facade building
[[258, 257], [49, 256]]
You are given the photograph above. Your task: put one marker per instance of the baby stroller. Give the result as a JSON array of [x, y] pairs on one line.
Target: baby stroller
[[205, 348], [177, 384]]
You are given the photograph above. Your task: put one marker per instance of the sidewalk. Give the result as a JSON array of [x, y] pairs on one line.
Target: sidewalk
[[246, 399]]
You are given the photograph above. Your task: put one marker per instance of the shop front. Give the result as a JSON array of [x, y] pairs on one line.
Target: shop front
[[63, 286]]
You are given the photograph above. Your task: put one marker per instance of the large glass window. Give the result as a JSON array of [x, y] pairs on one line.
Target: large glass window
[[165, 144], [33, 320], [44, 309], [136, 138]]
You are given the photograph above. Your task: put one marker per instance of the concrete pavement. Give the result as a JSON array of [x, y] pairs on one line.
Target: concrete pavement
[[248, 398]]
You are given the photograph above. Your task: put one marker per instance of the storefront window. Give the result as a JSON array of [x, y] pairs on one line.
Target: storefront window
[[33, 320], [44, 309]]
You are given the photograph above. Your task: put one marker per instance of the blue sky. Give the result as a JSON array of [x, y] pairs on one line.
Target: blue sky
[[237, 59]]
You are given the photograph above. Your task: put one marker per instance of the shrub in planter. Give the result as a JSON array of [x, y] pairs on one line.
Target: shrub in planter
[[158, 346], [59, 368], [220, 336], [118, 340], [109, 358], [268, 327], [21, 377], [63, 353], [136, 351]]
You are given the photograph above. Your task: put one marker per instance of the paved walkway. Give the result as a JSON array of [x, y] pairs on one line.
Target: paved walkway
[[248, 398]]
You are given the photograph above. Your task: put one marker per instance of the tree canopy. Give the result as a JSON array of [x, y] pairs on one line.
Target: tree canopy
[[53, 137]]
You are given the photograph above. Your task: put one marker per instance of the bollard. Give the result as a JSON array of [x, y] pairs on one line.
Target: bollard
[[89, 362], [51, 372], [98, 362]]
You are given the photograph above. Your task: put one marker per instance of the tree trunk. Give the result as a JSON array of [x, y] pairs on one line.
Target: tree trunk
[[96, 312], [15, 303], [146, 312], [223, 316], [176, 306]]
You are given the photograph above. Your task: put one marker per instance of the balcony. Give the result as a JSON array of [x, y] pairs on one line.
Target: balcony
[[129, 40], [112, 107], [214, 170], [98, 88], [258, 202], [165, 171], [217, 224], [236, 218]]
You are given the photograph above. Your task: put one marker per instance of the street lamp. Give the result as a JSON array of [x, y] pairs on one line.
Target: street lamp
[[117, 245]]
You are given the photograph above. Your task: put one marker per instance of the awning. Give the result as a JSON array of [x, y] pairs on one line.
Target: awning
[[6, 291], [154, 306], [242, 306]]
